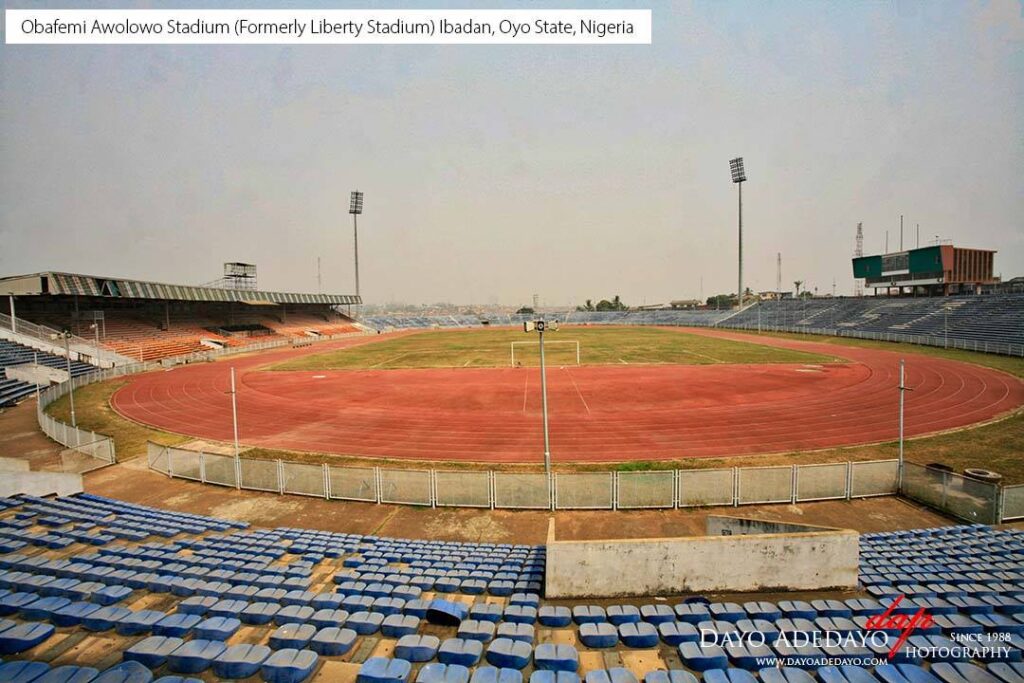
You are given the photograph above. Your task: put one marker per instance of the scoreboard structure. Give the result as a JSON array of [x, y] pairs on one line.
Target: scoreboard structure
[[941, 269]]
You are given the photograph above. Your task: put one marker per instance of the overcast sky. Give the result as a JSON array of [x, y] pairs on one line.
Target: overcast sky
[[495, 172]]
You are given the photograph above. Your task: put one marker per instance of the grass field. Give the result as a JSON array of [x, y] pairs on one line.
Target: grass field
[[598, 346]]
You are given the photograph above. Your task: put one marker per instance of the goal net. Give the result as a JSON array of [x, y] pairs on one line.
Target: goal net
[[556, 352]]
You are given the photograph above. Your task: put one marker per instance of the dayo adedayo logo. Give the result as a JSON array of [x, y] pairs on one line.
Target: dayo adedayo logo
[[903, 623]]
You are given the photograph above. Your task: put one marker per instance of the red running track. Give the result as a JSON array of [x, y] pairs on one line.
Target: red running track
[[598, 413]]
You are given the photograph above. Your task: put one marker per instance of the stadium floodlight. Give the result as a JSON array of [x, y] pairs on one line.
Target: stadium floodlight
[[540, 326], [355, 207], [739, 176]]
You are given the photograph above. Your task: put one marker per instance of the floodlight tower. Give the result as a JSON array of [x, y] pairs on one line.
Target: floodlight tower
[[739, 177], [540, 326], [355, 207]]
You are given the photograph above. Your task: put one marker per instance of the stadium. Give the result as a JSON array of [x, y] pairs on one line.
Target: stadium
[[252, 478]]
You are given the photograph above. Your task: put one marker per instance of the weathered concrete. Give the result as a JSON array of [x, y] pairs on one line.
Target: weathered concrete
[[13, 465], [40, 483], [728, 525], [37, 374], [805, 560]]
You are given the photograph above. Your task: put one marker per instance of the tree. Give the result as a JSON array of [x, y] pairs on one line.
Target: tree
[[525, 310]]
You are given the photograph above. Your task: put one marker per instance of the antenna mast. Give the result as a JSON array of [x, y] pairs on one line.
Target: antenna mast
[[858, 287]]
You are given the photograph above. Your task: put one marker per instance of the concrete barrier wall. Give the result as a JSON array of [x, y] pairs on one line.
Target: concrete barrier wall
[[40, 483], [13, 465], [727, 525], [665, 566], [37, 374]]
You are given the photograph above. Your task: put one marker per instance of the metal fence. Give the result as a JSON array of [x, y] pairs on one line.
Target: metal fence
[[533, 490], [1001, 348], [1013, 503], [954, 494]]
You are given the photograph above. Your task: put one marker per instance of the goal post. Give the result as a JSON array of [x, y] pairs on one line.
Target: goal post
[[535, 345]]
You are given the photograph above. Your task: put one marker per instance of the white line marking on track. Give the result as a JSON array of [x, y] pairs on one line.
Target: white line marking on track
[[578, 392], [526, 385]]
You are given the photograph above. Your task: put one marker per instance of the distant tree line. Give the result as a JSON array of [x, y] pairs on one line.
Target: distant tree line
[[604, 305]]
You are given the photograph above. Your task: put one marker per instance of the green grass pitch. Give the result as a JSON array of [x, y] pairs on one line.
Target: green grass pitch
[[489, 348]]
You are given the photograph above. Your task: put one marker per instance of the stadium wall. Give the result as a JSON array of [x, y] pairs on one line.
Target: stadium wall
[[783, 559]]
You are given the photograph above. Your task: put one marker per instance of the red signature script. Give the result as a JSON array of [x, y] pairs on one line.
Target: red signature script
[[904, 623]]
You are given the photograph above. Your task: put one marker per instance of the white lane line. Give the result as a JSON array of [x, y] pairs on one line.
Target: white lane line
[[578, 392], [526, 385]]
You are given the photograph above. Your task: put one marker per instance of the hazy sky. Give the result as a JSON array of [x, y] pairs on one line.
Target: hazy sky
[[495, 172]]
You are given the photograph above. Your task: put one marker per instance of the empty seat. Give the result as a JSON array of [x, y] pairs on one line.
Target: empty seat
[[240, 661], [259, 613], [728, 676], [289, 666], [446, 612], [460, 651], [553, 657], [65, 674], [152, 652], [365, 623], [195, 656], [512, 654], [398, 625], [125, 672], [443, 673], [332, 641], [217, 628], [702, 658], [384, 670], [622, 614], [588, 614], [105, 618], [179, 625], [295, 636], [903, 673], [492, 674], [639, 635], [539, 676], [417, 648], [962, 672], [22, 672], [24, 636], [599, 635], [845, 674], [476, 629], [523, 632]]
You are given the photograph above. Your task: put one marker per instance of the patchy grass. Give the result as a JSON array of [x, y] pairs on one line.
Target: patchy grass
[[995, 446], [93, 412], [598, 346]]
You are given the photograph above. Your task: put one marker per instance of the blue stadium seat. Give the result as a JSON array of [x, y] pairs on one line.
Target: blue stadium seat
[[22, 672], [332, 641], [640, 635], [294, 636], [289, 666], [443, 673], [670, 676], [702, 658], [460, 651], [66, 674], [195, 656], [153, 651], [598, 635], [552, 657], [240, 661], [417, 648], [125, 672], [511, 654], [384, 670], [614, 675]]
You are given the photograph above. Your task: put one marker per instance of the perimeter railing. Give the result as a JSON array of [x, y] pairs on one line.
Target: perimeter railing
[[86, 449], [534, 490]]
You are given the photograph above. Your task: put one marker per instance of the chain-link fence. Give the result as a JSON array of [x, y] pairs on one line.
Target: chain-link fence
[[260, 475], [1013, 502], [640, 490], [954, 494], [959, 496], [585, 491], [765, 485], [874, 478], [462, 489], [522, 491], [304, 480], [706, 487], [353, 483], [220, 469], [822, 482], [411, 487]]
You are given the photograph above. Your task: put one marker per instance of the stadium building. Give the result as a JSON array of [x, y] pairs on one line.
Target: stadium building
[[935, 270]]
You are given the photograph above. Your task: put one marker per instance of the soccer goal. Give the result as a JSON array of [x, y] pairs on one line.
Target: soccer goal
[[556, 352]]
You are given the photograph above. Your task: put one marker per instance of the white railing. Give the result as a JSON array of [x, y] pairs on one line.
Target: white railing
[[520, 490], [100, 446]]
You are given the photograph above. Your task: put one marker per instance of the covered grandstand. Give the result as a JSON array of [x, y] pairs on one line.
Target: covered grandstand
[[143, 321]]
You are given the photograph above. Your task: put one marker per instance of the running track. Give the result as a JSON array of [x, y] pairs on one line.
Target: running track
[[598, 413]]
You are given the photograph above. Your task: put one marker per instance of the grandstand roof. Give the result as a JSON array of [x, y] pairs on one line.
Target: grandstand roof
[[70, 284]]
